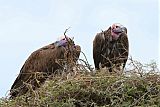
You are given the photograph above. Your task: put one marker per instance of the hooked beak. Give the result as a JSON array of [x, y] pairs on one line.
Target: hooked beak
[[124, 30], [120, 30]]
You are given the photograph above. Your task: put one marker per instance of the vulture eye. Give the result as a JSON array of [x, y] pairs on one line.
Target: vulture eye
[[116, 26]]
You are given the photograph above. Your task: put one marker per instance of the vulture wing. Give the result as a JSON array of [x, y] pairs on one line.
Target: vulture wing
[[37, 66], [125, 49], [97, 48]]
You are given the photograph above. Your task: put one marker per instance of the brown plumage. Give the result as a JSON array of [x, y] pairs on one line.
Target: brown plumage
[[110, 48], [42, 63]]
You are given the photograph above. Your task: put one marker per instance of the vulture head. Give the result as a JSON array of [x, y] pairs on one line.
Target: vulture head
[[117, 29], [64, 41]]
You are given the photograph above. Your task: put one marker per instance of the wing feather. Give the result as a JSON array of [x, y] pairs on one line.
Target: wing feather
[[36, 62], [97, 48]]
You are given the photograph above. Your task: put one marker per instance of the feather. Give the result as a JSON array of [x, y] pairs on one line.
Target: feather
[[40, 64], [108, 51]]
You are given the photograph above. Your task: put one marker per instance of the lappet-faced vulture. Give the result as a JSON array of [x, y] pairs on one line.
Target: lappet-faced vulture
[[44, 62], [111, 47]]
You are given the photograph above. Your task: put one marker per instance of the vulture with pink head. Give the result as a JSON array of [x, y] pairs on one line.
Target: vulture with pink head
[[111, 47], [44, 62]]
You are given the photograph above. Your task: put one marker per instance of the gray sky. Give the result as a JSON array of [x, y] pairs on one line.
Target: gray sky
[[26, 25]]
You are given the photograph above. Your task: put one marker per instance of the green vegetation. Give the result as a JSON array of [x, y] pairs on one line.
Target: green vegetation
[[139, 86]]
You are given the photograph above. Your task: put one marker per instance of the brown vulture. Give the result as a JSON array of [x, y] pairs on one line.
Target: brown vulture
[[110, 48], [44, 62]]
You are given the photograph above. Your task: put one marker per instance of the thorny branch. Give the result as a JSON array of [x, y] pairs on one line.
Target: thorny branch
[[86, 62]]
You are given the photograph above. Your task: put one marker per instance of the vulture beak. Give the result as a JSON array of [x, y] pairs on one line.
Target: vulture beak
[[119, 29], [124, 30]]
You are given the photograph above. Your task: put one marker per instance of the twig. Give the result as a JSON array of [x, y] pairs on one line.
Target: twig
[[86, 62], [66, 31]]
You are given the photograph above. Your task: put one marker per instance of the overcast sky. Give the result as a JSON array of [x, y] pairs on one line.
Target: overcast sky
[[26, 25]]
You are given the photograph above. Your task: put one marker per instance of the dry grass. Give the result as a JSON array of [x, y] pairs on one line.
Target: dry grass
[[138, 86]]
